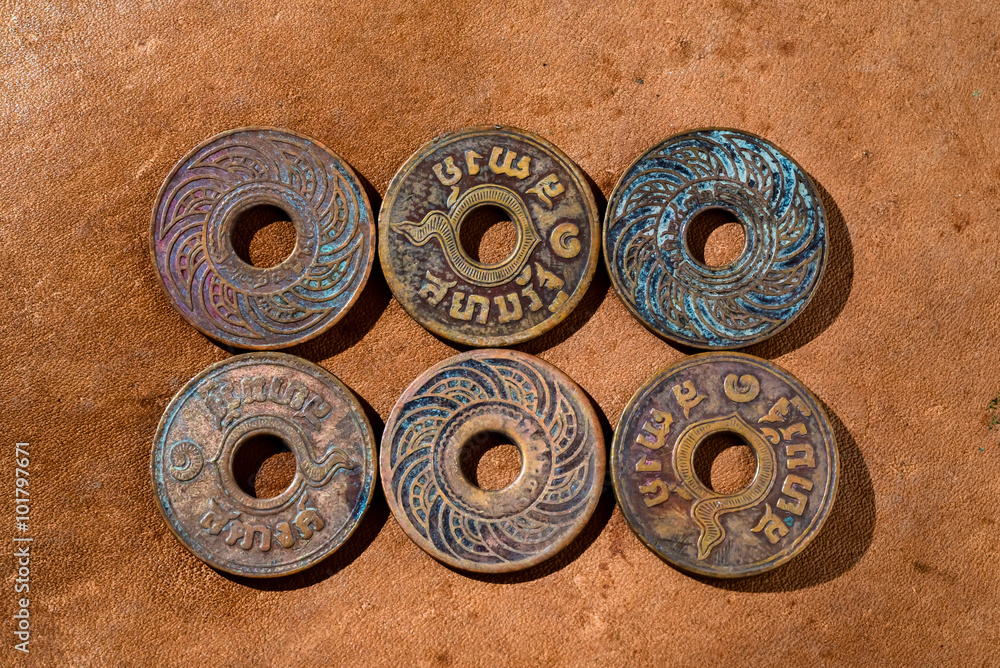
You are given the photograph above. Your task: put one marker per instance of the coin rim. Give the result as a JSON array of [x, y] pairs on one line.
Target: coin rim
[[818, 520], [223, 337], [299, 364], [671, 336], [568, 537], [396, 286]]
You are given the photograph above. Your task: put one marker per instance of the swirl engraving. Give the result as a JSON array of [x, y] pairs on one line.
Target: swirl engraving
[[743, 388], [186, 461], [564, 240], [234, 301], [681, 298], [495, 530]]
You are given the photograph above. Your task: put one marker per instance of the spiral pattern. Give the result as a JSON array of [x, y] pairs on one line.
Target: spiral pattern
[[231, 300], [556, 492], [186, 461], [677, 296]]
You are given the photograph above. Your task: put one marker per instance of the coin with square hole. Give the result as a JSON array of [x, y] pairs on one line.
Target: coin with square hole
[[305, 209], [466, 407], [724, 465], [489, 236], [263, 464]]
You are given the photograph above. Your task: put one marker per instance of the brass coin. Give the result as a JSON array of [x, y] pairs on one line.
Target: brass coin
[[531, 403], [221, 409], [202, 202], [453, 294], [676, 513], [649, 223]]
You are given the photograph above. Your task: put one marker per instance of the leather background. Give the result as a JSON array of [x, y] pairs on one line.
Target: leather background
[[891, 107]]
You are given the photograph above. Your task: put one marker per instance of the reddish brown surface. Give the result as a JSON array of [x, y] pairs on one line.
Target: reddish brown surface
[[892, 107]]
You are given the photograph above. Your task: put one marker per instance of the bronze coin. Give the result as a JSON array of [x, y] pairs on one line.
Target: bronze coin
[[203, 200], [676, 513], [453, 294], [530, 403], [661, 279], [225, 407]]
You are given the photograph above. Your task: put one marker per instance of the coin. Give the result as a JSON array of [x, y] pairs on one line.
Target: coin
[[202, 202], [530, 403], [453, 294], [226, 406], [647, 246], [676, 513]]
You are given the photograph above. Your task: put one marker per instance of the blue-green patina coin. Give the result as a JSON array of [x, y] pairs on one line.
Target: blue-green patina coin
[[681, 298]]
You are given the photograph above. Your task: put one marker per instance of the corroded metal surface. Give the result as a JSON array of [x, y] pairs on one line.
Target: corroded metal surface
[[545, 414], [666, 287], [231, 300], [676, 513], [223, 407], [451, 293]]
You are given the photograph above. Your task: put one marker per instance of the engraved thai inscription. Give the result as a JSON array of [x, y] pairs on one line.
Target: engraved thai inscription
[[671, 291], [208, 421], [230, 300], [453, 294], [541, 411], [678, 515]]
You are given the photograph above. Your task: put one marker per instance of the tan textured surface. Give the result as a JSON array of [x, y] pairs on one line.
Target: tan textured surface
[[891, 106]]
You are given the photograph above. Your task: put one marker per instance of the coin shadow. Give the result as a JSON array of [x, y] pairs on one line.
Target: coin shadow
[[364, 534], [827, 303], [841, 542], [359, 320], [596, 293], [831, 294], [591, 530]]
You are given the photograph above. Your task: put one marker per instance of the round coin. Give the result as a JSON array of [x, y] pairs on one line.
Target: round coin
[[450, 292], [223, 408], [676, 513], [526, 401], [648, 250], [203, 201]]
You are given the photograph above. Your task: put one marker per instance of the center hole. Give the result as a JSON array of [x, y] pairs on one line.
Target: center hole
[[263, 236], [715, 237], [488, 234], [490, 461], [263, 466], [725, 463]]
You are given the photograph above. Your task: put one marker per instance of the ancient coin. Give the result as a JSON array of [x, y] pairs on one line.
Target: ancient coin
[[676, 513], [452, 293], [534, 406], [647, 239], [226, 406], [203, 200]]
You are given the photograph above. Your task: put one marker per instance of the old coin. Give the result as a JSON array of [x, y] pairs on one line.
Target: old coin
[[648, 227], [676, 513], [530, 403], [452, 293], [204, 199], [220, 410]]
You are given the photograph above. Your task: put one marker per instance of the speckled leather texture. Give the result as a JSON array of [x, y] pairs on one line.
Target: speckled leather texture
[[890, 107]]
